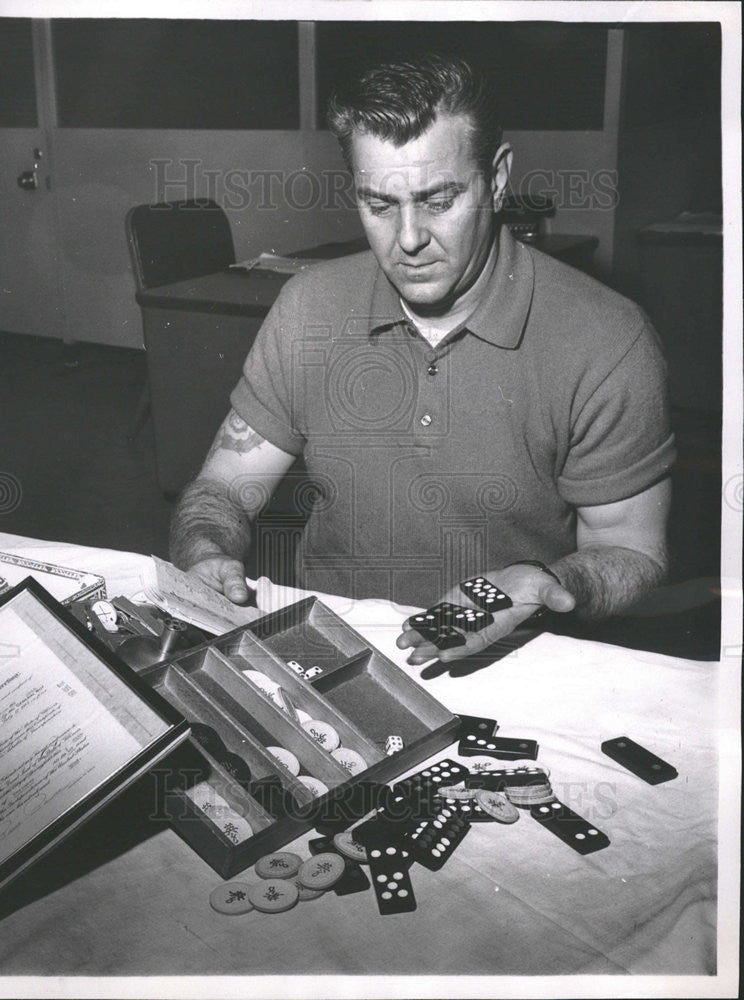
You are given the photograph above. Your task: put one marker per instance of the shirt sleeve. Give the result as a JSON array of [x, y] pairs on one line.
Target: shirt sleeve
[[621, 442], [267, 396]]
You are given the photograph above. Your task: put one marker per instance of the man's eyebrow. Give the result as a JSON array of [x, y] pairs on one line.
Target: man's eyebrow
[[443, 187], [368, 192]]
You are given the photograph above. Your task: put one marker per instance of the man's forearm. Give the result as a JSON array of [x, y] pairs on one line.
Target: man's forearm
[[207, 522], [606, 580]]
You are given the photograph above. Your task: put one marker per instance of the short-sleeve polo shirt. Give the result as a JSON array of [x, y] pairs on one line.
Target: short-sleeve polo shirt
[[437, 463]]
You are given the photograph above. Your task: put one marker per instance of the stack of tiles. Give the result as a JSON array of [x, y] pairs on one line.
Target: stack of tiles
[[523, 786], [435, 839], [445, 625], [413, 825], [353, 878]]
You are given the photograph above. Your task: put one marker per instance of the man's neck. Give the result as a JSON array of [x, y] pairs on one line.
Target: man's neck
[[435, 327]]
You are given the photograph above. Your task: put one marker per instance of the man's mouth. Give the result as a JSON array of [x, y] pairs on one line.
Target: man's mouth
[[417, 269]]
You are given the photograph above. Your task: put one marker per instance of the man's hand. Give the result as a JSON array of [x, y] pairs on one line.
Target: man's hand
[[528, 587], [621, 555], [225, 575], [211, 526]]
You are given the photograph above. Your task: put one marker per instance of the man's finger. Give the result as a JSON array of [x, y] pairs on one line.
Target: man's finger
[[423, 653], [234, 586], [409, 637], [476, 642], [557, 598]]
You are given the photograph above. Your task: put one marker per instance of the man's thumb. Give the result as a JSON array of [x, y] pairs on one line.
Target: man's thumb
[[557, 598], [234, 585]]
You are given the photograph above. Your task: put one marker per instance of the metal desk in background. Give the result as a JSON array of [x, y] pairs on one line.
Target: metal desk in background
[[197, 335]]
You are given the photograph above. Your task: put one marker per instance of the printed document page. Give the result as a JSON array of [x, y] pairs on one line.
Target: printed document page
[[67, 721]]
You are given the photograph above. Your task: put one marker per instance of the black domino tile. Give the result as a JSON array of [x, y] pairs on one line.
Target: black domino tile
[[468, 809], [438, 775], [638, 760], [353, 879], [436, 840], [476, 725], [485, 594], [502, 748], [389, 872], [457, 616], [571, 828]]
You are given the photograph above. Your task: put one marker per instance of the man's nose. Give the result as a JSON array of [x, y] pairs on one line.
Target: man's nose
[[413, 234]]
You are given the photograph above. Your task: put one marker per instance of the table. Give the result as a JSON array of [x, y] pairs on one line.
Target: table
[[126, 897], [198, 332]]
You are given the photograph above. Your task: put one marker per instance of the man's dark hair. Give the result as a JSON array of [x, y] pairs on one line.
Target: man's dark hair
[[399, 100]]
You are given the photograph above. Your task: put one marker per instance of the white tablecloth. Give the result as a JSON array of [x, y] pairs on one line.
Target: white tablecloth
[[513, 901]]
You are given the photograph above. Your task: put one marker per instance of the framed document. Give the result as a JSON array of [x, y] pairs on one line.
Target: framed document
[[76, 726]]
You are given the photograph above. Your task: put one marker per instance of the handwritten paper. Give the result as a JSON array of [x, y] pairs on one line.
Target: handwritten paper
[[184, 596]]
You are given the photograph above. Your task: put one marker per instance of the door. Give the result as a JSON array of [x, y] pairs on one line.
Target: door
[[29, 300]]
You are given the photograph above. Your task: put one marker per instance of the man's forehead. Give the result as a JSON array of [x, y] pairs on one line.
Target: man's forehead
[[443, 151], [425, 178]]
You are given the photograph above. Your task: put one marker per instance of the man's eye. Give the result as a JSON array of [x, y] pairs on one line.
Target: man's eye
[[439, 206], [378, 207]]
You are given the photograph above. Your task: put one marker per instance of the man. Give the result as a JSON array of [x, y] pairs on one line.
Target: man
[[465, 404]]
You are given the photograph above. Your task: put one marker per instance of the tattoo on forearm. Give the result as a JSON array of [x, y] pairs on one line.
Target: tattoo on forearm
[[207, 521], [606, 580], [235, 435]]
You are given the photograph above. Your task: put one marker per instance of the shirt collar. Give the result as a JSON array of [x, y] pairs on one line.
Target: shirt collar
[[502, 314]]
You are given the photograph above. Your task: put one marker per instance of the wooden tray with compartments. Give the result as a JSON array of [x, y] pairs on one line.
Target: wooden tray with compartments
[[362, 694]]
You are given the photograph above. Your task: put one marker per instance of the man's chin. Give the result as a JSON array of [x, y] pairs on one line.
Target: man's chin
[[424, 296]]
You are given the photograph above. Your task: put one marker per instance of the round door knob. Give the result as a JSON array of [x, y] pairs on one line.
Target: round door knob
[[28, 180]]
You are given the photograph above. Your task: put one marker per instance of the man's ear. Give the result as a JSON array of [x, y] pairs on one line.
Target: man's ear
[[500, 171]]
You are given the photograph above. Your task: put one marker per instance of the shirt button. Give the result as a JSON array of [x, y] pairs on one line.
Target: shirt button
[[425, 420], [432, 369]]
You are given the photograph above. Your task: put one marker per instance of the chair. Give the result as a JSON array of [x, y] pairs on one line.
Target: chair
[[170, 242], [177, 240]]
